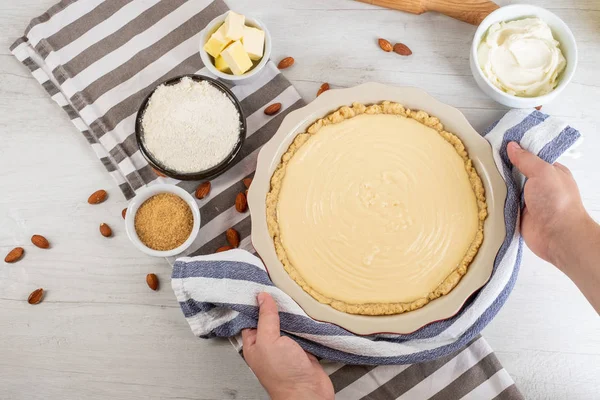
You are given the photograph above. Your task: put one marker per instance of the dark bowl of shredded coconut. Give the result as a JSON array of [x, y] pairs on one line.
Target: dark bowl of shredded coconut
[[190, 128]]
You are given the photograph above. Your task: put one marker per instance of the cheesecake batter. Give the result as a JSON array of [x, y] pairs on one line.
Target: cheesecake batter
[[377, 210]]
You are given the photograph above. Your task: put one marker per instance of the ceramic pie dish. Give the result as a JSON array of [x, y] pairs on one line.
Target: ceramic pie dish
[[480, 154]]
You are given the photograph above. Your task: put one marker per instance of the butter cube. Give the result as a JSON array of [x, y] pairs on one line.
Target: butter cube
[[236, 57], [254, 42], [217, 42], [234, 26], [221, 65]]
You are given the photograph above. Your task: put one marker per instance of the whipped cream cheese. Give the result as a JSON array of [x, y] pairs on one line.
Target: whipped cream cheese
[[521, 57]]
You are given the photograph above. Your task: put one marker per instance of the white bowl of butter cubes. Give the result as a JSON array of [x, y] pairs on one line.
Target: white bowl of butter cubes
[[235, 48]]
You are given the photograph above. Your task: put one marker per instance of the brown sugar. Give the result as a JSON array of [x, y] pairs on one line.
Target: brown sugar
[[164, 222]]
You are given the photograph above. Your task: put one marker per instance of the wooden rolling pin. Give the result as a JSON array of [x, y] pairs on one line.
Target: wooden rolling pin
[[470, 11]]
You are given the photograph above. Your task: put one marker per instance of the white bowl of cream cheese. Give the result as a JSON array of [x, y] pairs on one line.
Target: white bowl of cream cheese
[[523, 56]]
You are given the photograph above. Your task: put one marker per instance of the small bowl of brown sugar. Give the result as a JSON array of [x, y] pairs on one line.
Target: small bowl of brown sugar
[[162, 220]]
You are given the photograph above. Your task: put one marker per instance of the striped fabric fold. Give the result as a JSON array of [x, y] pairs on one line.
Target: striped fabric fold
[[230, 282]]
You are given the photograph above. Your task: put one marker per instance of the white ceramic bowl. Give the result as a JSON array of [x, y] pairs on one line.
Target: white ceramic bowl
[[561, 32], [208, 60], [480, 153], [144, 195]]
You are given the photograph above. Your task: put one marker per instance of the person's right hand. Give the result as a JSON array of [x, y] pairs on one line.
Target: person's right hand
[[553, 206], [285, 370]]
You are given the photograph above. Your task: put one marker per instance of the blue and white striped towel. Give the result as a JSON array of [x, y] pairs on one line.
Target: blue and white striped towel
[[217, 293]]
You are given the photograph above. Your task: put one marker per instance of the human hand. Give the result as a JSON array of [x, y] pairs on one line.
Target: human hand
[[282, 367], [553, 207]]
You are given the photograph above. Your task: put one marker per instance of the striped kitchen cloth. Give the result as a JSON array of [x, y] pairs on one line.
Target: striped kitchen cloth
[[98, 59], [217, 294]]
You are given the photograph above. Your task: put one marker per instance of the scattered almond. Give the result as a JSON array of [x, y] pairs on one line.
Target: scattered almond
[[385, 45], [286, 63], [402, 49], [538, 108], [14, 255], [105, 230], [273, 109], [203, 190], [157, 172], [40, 241], [152, 281], [324, 87], [223, 248], [247, 182], [97, 197], [124, 213], [241, 203], [233, 237], [36, 296]]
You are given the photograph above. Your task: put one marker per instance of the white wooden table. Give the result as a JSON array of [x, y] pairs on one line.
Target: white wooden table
[[102, 334]]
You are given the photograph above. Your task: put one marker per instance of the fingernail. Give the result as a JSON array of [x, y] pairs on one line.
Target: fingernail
[[516, 145], [261, 299]]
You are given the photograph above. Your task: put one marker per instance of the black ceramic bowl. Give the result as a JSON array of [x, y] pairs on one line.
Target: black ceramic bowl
[[199, 175]]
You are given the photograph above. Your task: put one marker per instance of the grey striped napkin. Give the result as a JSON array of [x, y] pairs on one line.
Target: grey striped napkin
[[98, 59], [473, 373]]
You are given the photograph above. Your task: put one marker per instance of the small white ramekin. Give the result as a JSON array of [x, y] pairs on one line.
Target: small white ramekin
[[144, 195], [561, 32], [208, 62]]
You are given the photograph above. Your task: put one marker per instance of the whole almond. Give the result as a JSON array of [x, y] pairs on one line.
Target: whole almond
[[40, 241], [402, 49], [105, 230], [36, 296], [203, 190], [233, 237], [97, 197], [247, 182], [286, 63], [152, 281], [324, 87], [14, 255], [385, 45], [241, 203], [273, 109], [223, 248], [538, 108], [124, 213]]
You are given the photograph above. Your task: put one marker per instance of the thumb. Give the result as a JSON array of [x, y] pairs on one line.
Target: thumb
[[268, 319], [529, 164]]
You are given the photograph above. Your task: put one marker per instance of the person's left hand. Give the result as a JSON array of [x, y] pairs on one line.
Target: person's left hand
[[282, 367]]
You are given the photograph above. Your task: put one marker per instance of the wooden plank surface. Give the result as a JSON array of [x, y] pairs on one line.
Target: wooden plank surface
[[101, 333]]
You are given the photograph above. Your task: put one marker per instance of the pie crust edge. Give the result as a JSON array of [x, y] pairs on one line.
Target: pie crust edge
[[339, 116]]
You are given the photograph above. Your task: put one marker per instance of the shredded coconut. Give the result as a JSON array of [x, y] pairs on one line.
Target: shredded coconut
[[190, 126]]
